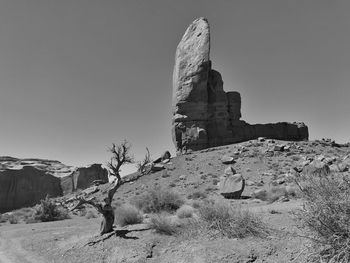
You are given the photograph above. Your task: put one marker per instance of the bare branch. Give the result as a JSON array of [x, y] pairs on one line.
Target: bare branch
[[121, 156], [142, 165], [83, 201]]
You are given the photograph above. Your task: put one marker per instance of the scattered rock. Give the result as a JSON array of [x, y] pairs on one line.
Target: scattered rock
[[316, 167], [229, 170], [231, 186], [341, 167], [183, 177], [227, 159], [260, 194], [279, 147], [157, 167]]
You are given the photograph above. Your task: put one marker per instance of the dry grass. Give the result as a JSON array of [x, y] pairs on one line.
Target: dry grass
[[185, 211], [158, 200], [162, 224], [90, 214], [232, 222], [326, 215], [127, 215], [276, 192]]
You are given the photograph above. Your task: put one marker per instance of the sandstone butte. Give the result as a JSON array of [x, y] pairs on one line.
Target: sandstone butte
[[204, 115], [24, 182]]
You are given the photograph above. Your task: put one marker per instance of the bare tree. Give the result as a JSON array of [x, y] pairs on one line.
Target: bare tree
[[144, 166], [120, 156]]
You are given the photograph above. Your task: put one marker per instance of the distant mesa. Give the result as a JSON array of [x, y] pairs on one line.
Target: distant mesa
[[204, 115], [24, 182]]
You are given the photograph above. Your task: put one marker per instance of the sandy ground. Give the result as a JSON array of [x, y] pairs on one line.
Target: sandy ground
[[76, 240], [68, 241]]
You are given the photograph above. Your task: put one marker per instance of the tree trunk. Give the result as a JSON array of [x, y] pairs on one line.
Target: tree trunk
[[108, 220]]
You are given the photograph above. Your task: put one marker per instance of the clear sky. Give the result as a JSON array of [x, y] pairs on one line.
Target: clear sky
[[77, 75]]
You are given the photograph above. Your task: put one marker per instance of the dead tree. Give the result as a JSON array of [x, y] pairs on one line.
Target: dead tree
[[120, 156], [144, 166]]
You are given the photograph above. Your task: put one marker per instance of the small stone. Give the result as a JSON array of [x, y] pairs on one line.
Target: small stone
[[261, 139], [249, 183], [278, 148], [183, 177], [157, 167], [280, 181], [229, 170], [166, 161], [227, 159]]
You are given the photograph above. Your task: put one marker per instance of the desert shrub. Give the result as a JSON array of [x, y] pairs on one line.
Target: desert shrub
[[185, 211], [157, 200], [82, 212], [12, 219], [90, 214], [163, 225], [232, 222], [127, 215], [274, 193], [196, 204], [326, 215], [3, 218], [48, 210], [197, 195]]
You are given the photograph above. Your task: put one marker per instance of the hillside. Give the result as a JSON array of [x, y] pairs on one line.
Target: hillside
[[269, 168]]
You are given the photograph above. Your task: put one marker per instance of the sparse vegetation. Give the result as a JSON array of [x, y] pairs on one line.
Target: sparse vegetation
[[232, 222], [197, 195], [127, 215], [326, 215], [12, 219], [144, 166], [90, 214], [48, 210], [157, 200], [185, 211], [162, 224]]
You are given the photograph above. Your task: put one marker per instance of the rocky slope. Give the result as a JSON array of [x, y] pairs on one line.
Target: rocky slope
[[24, 182], [268, 168], [204, 115]]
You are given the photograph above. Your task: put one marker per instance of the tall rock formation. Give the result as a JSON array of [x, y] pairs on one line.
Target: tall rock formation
[[204, 115]]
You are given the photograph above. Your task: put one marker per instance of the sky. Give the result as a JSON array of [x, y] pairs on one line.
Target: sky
[[78, 75]]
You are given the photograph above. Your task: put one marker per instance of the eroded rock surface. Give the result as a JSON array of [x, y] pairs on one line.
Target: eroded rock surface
[[204, 115], [24, 182]]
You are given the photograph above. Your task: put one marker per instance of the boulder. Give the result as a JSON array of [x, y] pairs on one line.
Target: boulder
[[204, 115], [231, 186], [164, 158]]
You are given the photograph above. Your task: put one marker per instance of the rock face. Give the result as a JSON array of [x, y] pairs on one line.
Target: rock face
[[24, 182], [83, 177], [204, 115], [25, 187]]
